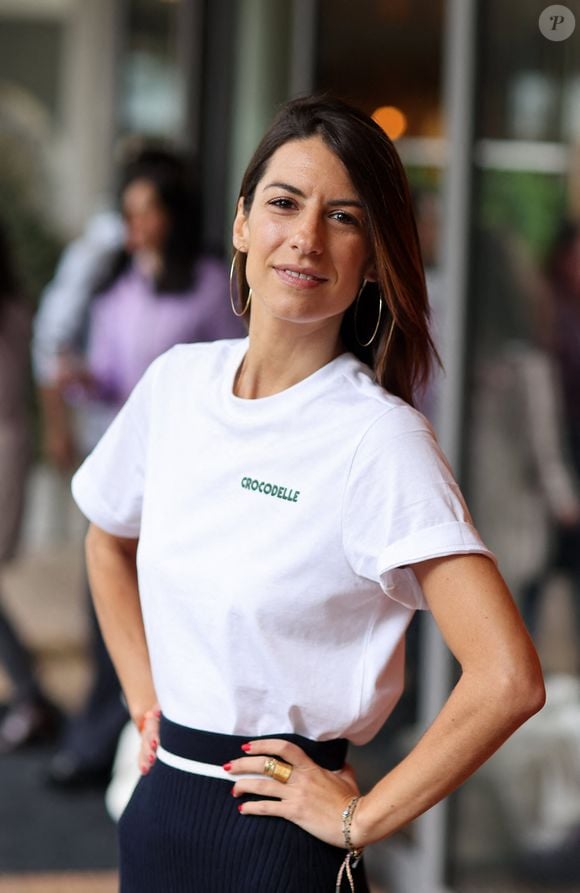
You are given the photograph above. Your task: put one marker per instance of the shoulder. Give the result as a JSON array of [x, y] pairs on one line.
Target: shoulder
[[382, 415], [202, 359]]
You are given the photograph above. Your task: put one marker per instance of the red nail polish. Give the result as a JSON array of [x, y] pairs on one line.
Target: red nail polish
[[155, 744], [151, 758], [240, 807], [246, 747], [227, 766]]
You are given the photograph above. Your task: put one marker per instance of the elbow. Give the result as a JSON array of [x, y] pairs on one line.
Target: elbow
[[534, 697], [522, 692]]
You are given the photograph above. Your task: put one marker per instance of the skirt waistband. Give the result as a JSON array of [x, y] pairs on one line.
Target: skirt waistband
[[214, 748]]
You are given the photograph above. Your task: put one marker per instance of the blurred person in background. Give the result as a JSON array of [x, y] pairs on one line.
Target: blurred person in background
[[562, 323], [157, 289], [29, 715], [60, 329]]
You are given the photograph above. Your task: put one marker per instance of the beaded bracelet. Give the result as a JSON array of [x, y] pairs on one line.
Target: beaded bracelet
[[352, 857], [347, 815]]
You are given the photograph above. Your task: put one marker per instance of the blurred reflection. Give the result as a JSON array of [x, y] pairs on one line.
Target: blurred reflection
[[523, 809], [563, 340]]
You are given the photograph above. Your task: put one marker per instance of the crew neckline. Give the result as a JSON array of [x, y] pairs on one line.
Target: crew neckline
[[312, 384]]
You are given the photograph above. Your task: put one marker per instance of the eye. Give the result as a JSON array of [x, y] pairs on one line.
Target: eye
[[283, 203], [345, 218]]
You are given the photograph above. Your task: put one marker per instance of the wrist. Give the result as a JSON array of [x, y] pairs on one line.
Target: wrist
[[359, 833], [353, 841], [140, 714]]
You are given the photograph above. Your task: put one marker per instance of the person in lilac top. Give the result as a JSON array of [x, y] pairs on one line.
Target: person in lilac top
[[117, 358], [159, 289]]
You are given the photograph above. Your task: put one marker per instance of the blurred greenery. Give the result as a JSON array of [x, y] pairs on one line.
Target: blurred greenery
[[528, 203], [32, 240], [424, 179], [35, 244]]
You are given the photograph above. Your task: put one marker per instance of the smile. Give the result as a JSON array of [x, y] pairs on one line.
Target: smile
[[301, 278], [302, 275]]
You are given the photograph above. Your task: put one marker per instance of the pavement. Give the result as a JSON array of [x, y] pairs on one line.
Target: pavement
[[51, 841]]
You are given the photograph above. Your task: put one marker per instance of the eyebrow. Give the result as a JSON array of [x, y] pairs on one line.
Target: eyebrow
[[344, 202]]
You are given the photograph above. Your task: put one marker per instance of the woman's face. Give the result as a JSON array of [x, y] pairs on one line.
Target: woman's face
[[146, 220], [305, 237]]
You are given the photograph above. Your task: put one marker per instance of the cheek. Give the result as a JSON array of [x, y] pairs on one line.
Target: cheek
[[261, 243], [156, 227]]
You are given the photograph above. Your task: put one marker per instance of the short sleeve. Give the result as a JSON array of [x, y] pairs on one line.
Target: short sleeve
[[109, 485], [402, 505]]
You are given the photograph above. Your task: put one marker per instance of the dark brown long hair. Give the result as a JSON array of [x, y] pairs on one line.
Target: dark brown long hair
[[402, 352], [174, 179]]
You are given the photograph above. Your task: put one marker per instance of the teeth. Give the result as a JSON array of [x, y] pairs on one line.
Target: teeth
[[299, 275]]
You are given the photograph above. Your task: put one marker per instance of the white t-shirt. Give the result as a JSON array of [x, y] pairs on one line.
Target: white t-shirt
[[275, 538]]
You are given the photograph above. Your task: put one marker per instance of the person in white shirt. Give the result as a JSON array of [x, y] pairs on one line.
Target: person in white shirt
[[266, 515], [60, 327]]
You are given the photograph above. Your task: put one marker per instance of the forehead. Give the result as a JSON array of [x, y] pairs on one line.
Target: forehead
[[139, 193], [309, 164]]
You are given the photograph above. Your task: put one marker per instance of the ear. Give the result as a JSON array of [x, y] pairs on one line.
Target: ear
[[240, 234], [370, 272]]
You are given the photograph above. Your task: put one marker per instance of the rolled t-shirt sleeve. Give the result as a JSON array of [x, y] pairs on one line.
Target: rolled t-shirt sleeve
[[402, 505], [109, 485]]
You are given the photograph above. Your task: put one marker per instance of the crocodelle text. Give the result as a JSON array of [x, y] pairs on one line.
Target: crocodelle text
[[270, 489]]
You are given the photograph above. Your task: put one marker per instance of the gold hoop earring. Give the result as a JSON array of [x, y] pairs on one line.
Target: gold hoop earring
[[376, 328], [248, 299]]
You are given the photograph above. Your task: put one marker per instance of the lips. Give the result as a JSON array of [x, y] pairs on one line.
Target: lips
[[300, 274]]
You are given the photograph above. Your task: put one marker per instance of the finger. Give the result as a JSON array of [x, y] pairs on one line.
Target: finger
[[277, 747], [149, 740], [266, 787], [147, 753], [264, 807], [247, 766]]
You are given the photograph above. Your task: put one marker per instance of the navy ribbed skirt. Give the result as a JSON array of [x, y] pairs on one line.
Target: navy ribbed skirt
[[182, 833]]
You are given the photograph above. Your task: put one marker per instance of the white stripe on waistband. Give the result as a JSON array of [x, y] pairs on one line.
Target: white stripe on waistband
[[197, 768]]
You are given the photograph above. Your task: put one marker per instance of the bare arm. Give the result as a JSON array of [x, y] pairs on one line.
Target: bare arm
[[499, 688], [111, 563]]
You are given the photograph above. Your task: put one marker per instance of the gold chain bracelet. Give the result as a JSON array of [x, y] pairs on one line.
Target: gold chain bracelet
[[353, 855]]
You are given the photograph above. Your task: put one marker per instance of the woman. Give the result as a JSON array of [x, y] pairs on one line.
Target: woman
[[160, 289], [291, 512], [29, 716]]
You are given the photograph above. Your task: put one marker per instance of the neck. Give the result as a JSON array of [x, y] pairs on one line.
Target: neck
[[278, 358], [148, 262]]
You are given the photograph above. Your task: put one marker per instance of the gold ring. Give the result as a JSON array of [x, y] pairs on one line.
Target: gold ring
[[278, 769]]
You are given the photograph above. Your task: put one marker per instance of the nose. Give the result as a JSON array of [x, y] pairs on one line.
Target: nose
[[308, 236]]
